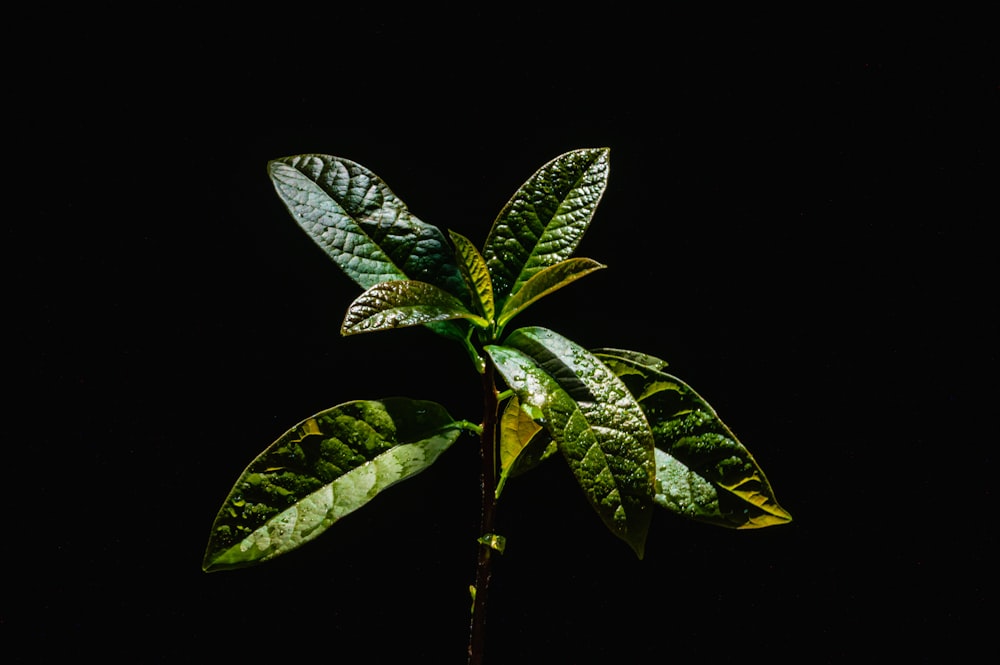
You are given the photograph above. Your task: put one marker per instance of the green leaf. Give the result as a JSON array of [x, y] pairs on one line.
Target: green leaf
[[322, 469], [357, 220], [494, 542], [703, 472], [523, 442], [594, 420], [544, 282], [543, 222], [473, 269], [399, 304], [635, 357]]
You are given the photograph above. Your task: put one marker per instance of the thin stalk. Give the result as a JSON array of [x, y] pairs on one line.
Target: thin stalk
[[488, 484]]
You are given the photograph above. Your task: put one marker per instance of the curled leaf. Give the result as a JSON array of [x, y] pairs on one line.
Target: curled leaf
[[476, 275], [494, 542], [398, 304], [523, 442]]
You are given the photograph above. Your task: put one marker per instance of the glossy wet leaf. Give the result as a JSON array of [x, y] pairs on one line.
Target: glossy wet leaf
[[703, 472], [357, 220], [594, 420], [523, 442], [322, 469], [544, 282], [477, 276], [543, 222], [398, 304]]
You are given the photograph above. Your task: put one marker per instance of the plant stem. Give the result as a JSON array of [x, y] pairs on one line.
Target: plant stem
[[488, 483]]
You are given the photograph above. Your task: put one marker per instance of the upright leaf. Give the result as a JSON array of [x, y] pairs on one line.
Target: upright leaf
[[543, 222], [320, 470], [477, 276], [593, 419], [703, 472], [398, 304], [357, 220]]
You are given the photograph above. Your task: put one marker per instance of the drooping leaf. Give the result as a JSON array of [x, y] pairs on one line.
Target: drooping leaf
[[635, 357], [322, 469], [594, 420], [543, 222], [398, 304], [544, 282], [357, 220], [703, 472], [523, 442], [473, 269]]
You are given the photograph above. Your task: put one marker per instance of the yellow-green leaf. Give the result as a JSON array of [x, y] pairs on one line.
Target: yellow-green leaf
[[473, 269], [544, 282], [523, 442]]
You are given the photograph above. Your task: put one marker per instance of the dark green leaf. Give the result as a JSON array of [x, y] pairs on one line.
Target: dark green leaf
[[594, 420], [322, 469], [703, 471], [544, 282], [544, 221], [357, 220], [398, 304]]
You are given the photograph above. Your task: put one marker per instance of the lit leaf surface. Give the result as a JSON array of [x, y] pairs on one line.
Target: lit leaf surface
[[357, 220], [322, 469], [594, 420], [703, 472], [494, 542], [544, 282], [473, 269], [523, 442], [398, 304], [543, 222]]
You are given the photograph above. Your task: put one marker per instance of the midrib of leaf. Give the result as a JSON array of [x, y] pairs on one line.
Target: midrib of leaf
[[598, 426], [315, 197], [694, 437], [373, 236], [561, 225], [535, 260]]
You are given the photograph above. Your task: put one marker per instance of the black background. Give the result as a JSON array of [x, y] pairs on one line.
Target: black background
[[799, 218]]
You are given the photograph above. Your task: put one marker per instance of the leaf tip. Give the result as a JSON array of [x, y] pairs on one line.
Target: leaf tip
[[770, 515], [208, 565]]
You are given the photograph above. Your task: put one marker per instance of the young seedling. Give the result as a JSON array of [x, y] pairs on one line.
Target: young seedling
[[635, 437]]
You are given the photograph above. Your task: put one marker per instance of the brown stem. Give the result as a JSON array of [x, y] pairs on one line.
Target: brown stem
[[488, 483]]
